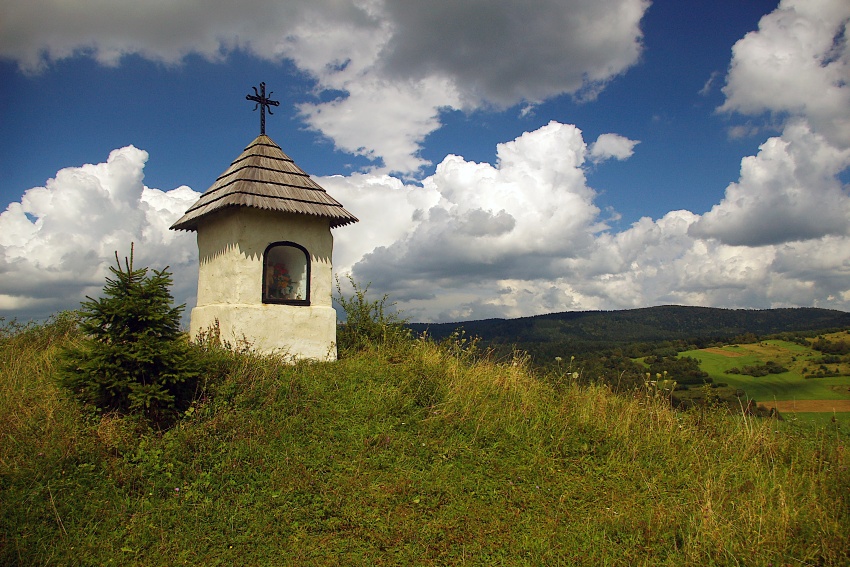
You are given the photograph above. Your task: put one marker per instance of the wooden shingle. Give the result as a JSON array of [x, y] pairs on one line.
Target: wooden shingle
[[265, 178]]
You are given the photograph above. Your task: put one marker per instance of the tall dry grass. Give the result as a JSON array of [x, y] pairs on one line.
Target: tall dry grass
[[714, 486], [36, 419]]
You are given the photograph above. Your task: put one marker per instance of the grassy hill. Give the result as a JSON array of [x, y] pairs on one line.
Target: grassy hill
[[412, 454], [557, 334]]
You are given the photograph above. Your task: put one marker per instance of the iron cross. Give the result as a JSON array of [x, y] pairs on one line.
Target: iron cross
[[262, 102]]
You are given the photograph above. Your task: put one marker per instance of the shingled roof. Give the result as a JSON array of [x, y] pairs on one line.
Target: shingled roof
[[265, 178]]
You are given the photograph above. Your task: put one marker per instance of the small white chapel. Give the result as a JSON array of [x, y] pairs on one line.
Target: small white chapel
[[265, 249]]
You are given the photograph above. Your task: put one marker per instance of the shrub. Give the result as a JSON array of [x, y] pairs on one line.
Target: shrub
[[756, 371], [684, 370], [134, 357], [368, 323], [826, 346]]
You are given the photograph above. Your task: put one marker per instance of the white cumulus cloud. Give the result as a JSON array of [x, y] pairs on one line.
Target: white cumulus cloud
[[56, 243], [796, 64], [796, 68], [790, 191], [525, 237], [614, 146]]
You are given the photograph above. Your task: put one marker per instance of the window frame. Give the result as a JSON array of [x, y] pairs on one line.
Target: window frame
[[274, 300]]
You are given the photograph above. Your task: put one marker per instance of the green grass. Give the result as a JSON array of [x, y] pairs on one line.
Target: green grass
[[410, 455], [821, 419], [789, 385]]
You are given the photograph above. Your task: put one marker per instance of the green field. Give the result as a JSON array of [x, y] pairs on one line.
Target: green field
[[787, 386], [821, 419]]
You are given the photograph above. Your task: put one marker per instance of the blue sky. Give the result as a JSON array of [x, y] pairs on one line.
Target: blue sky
[[533, 213]]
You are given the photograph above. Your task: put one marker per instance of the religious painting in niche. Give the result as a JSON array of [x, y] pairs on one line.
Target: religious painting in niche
[[286, 274]]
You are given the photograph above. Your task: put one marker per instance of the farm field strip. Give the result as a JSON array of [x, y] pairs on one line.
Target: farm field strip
[[722, 352], [810, 406]]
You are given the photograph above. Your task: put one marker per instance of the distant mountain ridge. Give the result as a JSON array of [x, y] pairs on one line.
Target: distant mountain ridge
[[591, 329]]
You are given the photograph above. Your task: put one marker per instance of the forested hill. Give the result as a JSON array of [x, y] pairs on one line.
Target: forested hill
[[603, 329]]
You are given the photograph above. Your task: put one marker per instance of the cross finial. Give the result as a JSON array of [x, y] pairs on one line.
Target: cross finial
[[262, 102]]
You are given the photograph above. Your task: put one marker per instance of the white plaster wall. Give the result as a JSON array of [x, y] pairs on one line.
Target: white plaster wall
[[231, 245], [288, 330]]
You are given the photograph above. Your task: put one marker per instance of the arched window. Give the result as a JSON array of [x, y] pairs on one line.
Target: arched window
[[286, 274]]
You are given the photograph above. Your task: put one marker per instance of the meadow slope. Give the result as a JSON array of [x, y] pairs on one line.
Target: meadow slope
[[416, 454]]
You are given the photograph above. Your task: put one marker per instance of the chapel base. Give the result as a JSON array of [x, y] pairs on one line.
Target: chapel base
[[295, 332]]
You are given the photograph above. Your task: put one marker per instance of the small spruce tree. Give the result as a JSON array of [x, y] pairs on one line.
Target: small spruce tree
[[134, 357]]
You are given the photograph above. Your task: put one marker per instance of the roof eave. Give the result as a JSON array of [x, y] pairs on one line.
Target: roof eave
[[192, 222]]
